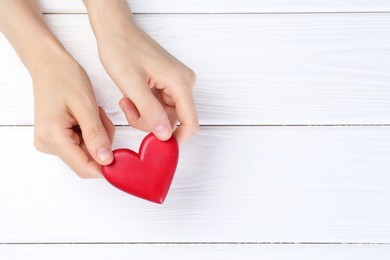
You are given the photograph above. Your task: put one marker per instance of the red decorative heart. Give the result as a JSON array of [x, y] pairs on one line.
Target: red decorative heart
[[148, 174]]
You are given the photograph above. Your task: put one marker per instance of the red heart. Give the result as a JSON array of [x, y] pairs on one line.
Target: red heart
[[147, 175]]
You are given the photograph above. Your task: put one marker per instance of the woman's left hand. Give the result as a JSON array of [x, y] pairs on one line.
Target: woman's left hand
[[157, 87]]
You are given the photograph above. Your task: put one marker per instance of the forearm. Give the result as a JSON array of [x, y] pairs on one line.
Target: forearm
[[23, 25], [109, 17]]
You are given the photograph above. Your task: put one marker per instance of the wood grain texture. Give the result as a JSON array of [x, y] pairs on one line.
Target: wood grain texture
[[252, 69], [229, 6], [188, 252], [233, 184]]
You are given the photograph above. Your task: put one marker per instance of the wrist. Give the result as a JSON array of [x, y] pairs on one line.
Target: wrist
[[46, 56]]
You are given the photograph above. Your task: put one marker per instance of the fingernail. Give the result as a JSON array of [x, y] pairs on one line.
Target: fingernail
[[162, 131], [104, 154]]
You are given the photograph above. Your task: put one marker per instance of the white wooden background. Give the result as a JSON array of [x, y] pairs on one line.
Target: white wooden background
[[292, 160]]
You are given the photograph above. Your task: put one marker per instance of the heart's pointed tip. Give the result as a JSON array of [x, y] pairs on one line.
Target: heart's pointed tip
[[159, 200]]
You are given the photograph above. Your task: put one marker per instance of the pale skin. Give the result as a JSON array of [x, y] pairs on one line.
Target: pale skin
[[157, 88]]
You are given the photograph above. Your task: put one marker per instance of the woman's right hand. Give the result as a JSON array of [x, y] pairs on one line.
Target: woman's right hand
[[68, 121]]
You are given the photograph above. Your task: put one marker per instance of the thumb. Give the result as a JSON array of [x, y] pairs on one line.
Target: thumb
[[149, 108], [94, 134]]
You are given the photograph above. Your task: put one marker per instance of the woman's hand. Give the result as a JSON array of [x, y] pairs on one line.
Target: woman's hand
[[68, 122], [157, 87]]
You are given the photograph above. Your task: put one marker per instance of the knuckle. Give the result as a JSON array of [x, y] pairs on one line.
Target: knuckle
[[184, 76], [189, 77], [82, 99], [39, 146], [42, 139], [86, 174], [83, 175]]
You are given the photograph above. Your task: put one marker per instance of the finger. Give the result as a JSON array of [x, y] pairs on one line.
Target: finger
[[149, 108], [132, 115], [93, 131], [77, 159], [171, 112], [188, 118], [135, 120], [168, 104], [107, 123]]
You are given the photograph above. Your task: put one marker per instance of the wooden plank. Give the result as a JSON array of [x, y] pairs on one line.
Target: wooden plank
[[180, 251], [252, 69], [229, 6], [233, 184]]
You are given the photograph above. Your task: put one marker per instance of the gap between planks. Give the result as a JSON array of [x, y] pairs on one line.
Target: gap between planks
[[194, 243], [261, 125], [235, 13]]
